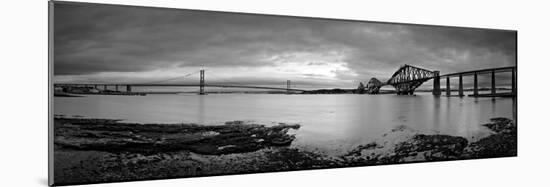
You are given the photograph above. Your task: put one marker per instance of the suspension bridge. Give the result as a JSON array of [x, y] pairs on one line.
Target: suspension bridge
[[201, 85], [405, 81]]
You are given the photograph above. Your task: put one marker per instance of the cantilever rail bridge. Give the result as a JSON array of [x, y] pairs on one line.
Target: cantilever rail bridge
[[405, 81], [408, 78]]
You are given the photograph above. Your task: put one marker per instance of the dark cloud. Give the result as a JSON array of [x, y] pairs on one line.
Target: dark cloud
[[93, 39], [379, 49], [116, 38]]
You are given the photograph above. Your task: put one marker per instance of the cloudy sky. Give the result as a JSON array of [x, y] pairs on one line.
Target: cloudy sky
[[104, 44]]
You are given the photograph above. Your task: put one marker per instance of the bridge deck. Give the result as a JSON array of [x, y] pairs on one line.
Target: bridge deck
[[182, 85], [489, 70], [424, 74]]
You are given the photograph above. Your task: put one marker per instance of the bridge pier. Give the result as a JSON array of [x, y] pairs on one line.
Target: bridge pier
[[201, 83], [104, 87], [128, 88], [437, 87], [493, 84], [116, 87], [404, 90], [476, 93], [514, 91], [448, 88], [460, 87]]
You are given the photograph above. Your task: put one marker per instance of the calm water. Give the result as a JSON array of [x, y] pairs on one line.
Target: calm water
[[328, 121]]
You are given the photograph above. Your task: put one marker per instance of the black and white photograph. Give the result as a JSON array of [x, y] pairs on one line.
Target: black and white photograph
[[143, 93]]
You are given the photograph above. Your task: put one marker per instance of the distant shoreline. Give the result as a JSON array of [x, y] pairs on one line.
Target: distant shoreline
[[311, 92]]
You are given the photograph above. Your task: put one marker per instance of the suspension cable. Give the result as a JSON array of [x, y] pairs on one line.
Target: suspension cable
[[173, 78]]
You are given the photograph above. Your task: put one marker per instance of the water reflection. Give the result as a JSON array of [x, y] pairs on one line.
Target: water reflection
[[201, 111], [327, 120], [436, 110]]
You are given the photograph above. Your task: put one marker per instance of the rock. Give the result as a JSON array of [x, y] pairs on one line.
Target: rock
[[501, 125], [501, 144], [114, 136], [440, 147]]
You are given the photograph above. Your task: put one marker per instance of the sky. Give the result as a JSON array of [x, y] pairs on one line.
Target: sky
[[120, 44]]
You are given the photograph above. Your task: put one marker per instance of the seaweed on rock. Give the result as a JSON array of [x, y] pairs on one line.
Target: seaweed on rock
[[114, 136]]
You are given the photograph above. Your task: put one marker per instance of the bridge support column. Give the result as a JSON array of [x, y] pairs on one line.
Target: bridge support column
[[104, 87], [437, 87], [476, 93], [116, 87], [95, 86], [128, 88], [460, 87], [514, 91], [201, 83], [448, 88], [493, 84]]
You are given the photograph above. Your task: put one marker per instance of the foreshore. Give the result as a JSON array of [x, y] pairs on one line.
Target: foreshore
[[102, 150]]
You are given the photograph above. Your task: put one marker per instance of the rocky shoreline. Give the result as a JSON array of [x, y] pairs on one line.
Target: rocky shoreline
[[101, 150], [116, 137]]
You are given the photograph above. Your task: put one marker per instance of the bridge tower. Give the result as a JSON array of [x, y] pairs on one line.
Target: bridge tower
[[201, 83], [437, 87]]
